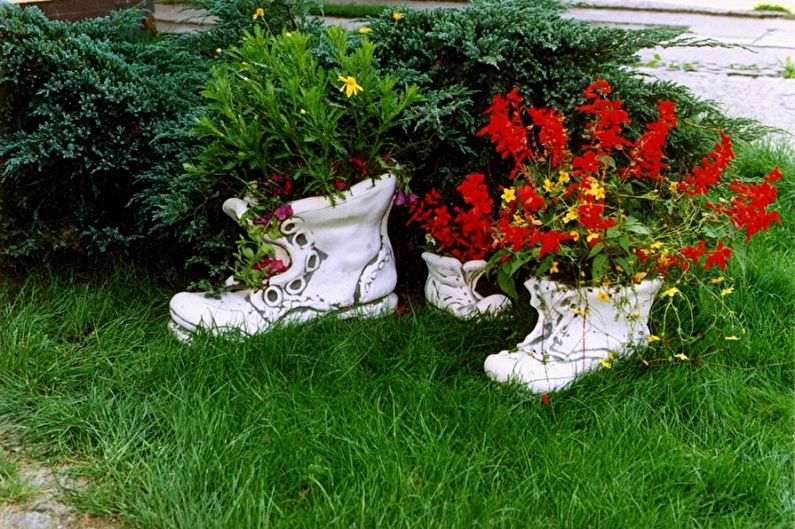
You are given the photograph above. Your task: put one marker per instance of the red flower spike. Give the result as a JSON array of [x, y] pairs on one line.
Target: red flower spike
[[749, 206], [506, 129], [550, 242], [552, 133], [465, 233], [701, 178], [718, 257], [647, 151], [529, 198]]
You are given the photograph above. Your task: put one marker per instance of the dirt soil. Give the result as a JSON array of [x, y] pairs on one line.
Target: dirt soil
[[42, 506]]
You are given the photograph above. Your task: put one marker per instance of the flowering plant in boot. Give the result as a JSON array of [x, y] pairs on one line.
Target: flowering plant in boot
[[613, 212], [291, 116]]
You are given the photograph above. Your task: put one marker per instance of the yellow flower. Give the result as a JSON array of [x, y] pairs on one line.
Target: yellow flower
[[258, 13], [244, 66], [602, 296], [596, 190], [554, 268], [731, 338], [605, 363], [548, 185], [634, 316], [580, 312], [571, 215], [656, 245], [653, 338], [673, 187], [681, 356], [639, 277], [518, 220], [365, 30], [349, 86], [218, 51], [716, 280], [397, 15], [302, 111], [287, 34], [726, 291], [671, 292], [563, 177], [574, 235], [509, 195], [612, 355], [591, 236]]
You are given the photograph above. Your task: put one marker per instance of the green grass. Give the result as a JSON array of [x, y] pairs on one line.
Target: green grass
[[772, 7], [391, 423], [13, 487], [351, 10], [788, 68]]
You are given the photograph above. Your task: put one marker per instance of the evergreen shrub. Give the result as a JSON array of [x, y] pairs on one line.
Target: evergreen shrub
[[96, 123], [461, 58]]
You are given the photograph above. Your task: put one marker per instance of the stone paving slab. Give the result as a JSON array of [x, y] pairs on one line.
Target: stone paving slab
[[768, 100]]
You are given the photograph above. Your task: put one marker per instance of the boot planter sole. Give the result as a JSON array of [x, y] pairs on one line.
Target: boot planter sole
[[577, 330], [340, 262], [451, 287]]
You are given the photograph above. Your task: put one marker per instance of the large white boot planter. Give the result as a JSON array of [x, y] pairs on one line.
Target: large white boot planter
[[451, 287], [576, 329], [340, 261]]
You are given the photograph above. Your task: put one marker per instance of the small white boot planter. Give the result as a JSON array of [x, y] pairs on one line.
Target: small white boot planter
[[576, 329], [340, 261], [451, 287]]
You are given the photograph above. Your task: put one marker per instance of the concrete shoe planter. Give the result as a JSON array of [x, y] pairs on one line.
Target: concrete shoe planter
[[451, 287], [576, 329], [339, 260]]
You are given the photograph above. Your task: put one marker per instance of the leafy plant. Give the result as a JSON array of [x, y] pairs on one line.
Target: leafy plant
[[282, 124], [789, 68]]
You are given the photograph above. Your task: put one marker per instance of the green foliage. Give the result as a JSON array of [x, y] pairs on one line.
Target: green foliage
[[81, 104], [274, 109], [772, 7], [460, 58], [95, 125], [282, 124], [788, 68]]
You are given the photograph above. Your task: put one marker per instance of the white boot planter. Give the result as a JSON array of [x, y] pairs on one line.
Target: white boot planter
[[339, 261], [576, 329], [451, 287]]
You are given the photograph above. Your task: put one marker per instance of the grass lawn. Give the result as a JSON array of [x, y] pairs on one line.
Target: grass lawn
[[391, 423]]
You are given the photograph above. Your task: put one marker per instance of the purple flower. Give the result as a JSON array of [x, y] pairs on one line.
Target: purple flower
[[402, 199], [283, 212], [266, 218]]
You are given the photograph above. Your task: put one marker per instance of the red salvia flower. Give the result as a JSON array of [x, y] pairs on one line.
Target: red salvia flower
[[700, 179], [552, 134], [749, 206], [718, 257], [647, 152]]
